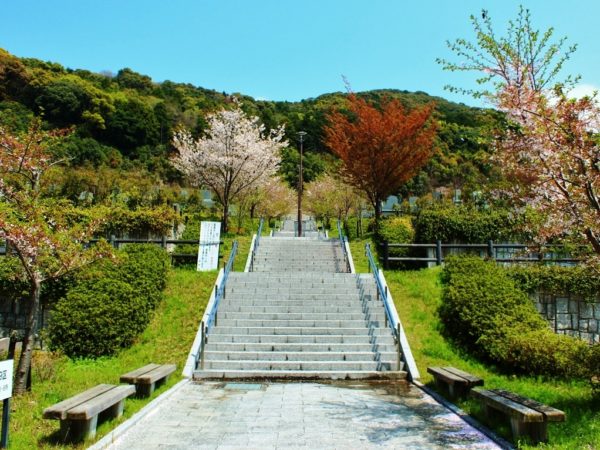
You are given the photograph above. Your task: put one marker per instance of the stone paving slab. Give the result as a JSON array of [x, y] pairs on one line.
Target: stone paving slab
[[339, 415]]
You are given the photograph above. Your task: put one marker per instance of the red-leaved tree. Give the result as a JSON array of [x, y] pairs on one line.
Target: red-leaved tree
[[381, 147]]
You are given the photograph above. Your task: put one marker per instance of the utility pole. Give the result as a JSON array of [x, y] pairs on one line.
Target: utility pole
[[301, 135]]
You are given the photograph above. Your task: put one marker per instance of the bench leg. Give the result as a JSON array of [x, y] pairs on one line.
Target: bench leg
[[78, 430], [144, 390], [116, 410], [536, 431]]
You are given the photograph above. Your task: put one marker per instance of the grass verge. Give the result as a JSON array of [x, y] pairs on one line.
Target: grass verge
[[417, 295], [166, 340]]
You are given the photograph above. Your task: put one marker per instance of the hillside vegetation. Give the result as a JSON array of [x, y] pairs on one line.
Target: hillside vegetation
[[125, 120]]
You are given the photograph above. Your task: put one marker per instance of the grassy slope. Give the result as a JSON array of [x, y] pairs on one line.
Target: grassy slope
[[417, 295], [166, 340]]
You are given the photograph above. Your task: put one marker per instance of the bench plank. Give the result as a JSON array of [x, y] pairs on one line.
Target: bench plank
[[445, 375], [130, 377], [156, 374], [59, 410], [96, 405], [552, 414], [503, 404], [472, 379]]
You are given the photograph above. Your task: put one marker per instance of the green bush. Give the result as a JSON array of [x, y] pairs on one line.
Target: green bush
[[397, 230], [351, 227], [579, 280], [464, 224], [110, 304], [484, 311]]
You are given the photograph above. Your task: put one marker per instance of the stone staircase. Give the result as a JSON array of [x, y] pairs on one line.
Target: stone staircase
[[299, 316]]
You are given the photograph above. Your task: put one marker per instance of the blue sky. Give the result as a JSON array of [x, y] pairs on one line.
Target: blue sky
[[281, 50]]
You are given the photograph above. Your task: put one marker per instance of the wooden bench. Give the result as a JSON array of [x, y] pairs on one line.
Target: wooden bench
[[459, 382], [148, 378], [78, 415], [527, 417]]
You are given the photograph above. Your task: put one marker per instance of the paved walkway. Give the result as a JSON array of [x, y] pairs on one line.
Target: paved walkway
[[345, 415]]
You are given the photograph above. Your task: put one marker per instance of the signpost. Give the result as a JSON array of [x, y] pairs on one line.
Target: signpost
[[6, 378], [208, 250]]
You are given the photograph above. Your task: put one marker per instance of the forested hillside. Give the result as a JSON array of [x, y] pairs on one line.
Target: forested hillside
[[126, 120]]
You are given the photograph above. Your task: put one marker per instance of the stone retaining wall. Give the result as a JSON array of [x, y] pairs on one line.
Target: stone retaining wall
[[570, 314], [13, 316]]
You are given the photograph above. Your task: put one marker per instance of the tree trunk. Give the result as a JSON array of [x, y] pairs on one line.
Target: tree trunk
[[252, 210], [224, 227], [593, 239], [377, 206], [29, 338]]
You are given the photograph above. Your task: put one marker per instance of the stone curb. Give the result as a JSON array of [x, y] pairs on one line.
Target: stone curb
[[503, 443], [115, 434]]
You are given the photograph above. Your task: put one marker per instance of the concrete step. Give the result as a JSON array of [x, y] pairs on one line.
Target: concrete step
[[296, 300], [320, 366], [287, 309], [213, 355], [293, 276], [272, 339], [298, 347], [297, 374], [291, 284], [304, 316], [286, 323], [300, 331], [247, 291]]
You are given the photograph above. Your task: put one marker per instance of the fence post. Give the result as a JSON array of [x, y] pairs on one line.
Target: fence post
[[438, 252], [491, 249], [163, 242], [386, 255], [113, 240]]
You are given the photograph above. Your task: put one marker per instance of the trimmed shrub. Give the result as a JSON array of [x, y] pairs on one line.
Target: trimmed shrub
[[580, 280], [464, 224], [397, 230], [484, 311], [110, 304]]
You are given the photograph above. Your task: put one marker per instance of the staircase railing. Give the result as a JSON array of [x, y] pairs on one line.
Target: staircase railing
[[391, 316], [255, 244], [210, 315], [343, 245]]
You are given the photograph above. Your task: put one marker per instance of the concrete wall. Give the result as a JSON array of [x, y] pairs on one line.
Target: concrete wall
[[570, 314]]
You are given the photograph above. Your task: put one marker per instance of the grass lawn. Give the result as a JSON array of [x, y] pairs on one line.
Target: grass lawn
[[417, 295], [167, 339]]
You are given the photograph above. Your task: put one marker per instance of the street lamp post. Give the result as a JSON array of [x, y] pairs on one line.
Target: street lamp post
[[301, 135]]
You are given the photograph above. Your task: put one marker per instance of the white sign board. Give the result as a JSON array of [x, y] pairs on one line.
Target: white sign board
[[6, 379], [208, 250]]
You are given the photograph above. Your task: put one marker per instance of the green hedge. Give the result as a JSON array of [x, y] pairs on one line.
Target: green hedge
[[464, 224], [396, 230], [579, 280], [110, 304], [484, 311]]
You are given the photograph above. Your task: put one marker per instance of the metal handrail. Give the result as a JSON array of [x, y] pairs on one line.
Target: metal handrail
[[383, 292], [220, 288], [210, 317], [343, 244], [256, 243]]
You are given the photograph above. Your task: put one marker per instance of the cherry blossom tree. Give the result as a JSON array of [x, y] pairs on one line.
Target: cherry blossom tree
[[276, 199], [235, 154], [550, 149], [37, 230], [329, 196]]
